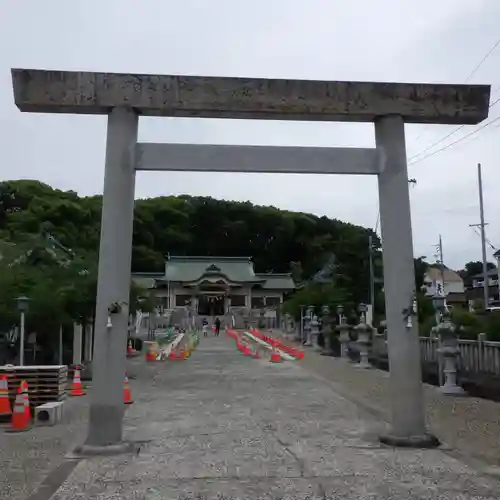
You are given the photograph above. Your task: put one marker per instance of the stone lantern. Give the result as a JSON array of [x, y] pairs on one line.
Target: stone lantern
[[343, 328], [314, 332], [307, 326], [363, 330], [449, 350]]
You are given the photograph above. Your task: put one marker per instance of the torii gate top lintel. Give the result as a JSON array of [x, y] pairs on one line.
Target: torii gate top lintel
[[51, 91]]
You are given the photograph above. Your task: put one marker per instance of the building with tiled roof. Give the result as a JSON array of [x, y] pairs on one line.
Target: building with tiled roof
[[215, 285]]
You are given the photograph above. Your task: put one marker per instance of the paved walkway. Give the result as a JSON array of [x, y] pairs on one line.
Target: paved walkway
[[469, 426], [221, 425]]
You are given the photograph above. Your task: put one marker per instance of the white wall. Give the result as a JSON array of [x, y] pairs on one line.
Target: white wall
[[449, 286]]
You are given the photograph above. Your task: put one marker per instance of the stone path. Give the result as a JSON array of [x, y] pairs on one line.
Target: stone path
[[27, 458], [469, 426], [221, 425]]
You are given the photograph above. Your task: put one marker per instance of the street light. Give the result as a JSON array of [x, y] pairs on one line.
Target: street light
[[22, 307]]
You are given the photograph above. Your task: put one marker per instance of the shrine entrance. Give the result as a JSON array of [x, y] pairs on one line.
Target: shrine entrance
[[211, 304], [125, 97]]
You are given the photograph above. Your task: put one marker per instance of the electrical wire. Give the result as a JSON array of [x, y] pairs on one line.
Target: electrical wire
[[473, 132], [483, 60], [453, 132], [476, 230], [471, 74]]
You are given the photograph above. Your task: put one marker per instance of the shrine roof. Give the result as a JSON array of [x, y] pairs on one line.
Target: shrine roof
[[187, 269]]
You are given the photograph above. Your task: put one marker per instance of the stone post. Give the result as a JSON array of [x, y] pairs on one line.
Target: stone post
[[343, 328], [113, 284], [88, 342], [77, 344], [405, 376], [363, 330], [481, 338], [327, 331], [314, 332], [379, 343], [307, 326], [450, 351]]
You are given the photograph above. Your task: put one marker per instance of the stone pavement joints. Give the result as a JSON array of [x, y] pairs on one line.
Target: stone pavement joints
[[469, 427], [221, 425]]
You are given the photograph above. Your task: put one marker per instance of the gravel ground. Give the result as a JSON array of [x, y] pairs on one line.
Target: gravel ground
[[224, 426], [469, 426], [201, 412], [26, 458]]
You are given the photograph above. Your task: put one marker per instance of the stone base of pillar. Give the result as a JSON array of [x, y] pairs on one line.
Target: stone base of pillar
[[452, 390], [87, 371], [364, 365], [424, 441], [86, 450]]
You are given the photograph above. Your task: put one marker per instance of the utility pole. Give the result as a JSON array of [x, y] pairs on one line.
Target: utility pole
[[442, 262], [372, 275], [482, 225]]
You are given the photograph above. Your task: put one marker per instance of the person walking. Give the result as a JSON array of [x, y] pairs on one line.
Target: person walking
[[205, 327], [217, 327]]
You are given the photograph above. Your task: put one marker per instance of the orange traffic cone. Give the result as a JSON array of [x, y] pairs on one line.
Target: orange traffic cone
[[130, 349], [275, 356], [24, 391], [127, 395], [20, 421], [5, 408], [150, 355], [76, 387]]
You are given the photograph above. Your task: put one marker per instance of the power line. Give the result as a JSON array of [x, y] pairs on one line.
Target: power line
[[493, 247], [453, 132], [471, 74], [473, 132], [483, 60]]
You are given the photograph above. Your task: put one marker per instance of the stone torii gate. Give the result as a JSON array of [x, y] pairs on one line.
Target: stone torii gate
[[124, 97]]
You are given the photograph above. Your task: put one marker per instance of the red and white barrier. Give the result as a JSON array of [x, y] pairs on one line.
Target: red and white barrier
[[277, 344]]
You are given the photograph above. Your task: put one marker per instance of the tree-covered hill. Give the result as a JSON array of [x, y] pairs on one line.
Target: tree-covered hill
[[278, 240]]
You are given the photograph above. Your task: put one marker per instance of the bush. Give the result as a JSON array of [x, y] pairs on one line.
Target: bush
[[426, 325], [492, 328], [470, 325]]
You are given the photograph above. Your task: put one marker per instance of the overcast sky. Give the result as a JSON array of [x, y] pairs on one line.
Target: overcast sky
[[372, 40]]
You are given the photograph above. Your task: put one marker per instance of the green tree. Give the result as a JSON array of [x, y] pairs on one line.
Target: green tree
[[475, 267], [421, 266]]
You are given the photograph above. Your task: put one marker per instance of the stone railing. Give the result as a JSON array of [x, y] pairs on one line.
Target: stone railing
[[476, 356]]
